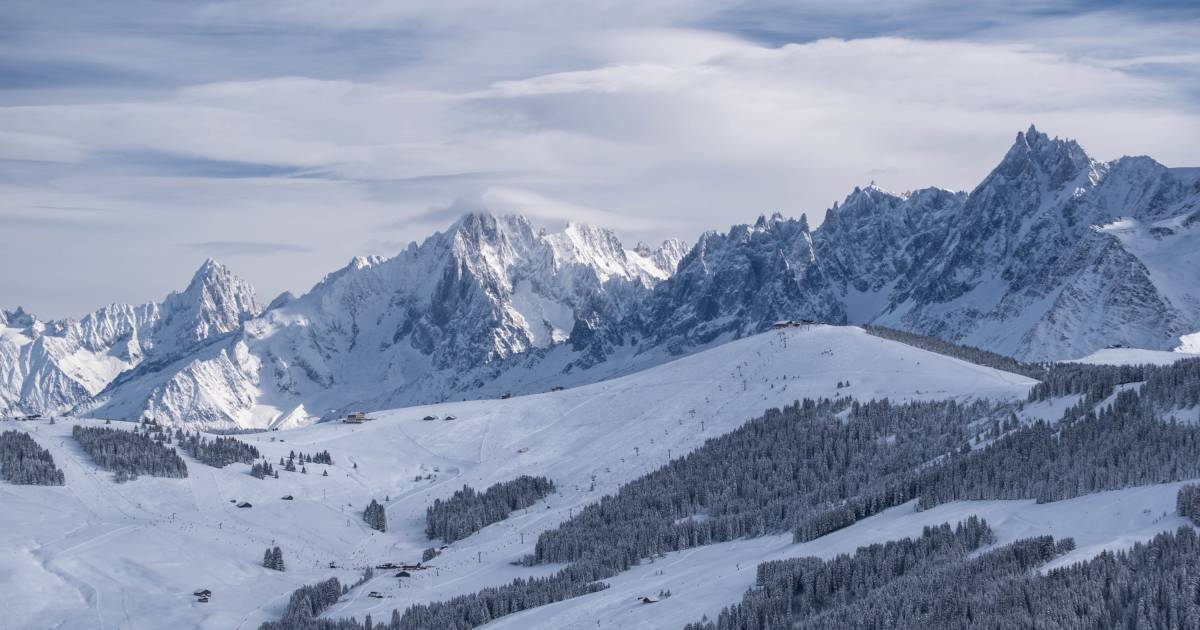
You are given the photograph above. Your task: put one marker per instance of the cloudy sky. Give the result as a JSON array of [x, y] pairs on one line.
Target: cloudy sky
[[283, 137]]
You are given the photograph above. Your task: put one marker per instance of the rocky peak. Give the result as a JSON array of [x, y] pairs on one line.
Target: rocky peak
[[215, 302], [668, 255], [17, 319], [1053, 161]]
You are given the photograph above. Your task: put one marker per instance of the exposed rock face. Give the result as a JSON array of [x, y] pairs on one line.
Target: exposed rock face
[[1053, 255]]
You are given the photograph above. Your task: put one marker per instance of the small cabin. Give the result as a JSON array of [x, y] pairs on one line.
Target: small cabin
[[648, 600], [244, 504], [358, 417], [403, 574], [506, 396], [203, 593], [429, 418], [375, 594], [450, 418], [557, 388]]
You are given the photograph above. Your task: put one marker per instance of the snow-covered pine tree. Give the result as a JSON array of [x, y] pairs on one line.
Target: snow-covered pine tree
[[375, 516]]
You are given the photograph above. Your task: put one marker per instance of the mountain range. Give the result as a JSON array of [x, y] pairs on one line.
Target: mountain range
[[1052, 256]]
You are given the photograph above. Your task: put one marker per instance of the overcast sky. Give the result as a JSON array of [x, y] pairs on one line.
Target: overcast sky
[[283, 137]]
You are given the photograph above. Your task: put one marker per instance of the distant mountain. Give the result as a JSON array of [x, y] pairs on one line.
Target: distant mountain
[[1053, 256], [58, 365], [435, 319]]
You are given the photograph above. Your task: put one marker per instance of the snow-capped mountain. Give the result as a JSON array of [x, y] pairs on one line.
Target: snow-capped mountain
[[1054, 255], [55, 366], [436, 318], [1029, 269]]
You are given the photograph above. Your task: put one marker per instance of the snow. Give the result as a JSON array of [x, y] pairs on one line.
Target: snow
[[1189, 344], [1171, 257], [98, 554], [1049, 411], [1134, 356]]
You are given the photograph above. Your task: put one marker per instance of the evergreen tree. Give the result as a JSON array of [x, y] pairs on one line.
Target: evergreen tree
[[468, 511], [24, 462], [375, 516], [130, 452]]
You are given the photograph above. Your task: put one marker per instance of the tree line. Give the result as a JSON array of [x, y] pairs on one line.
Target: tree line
[[24, 462], [768, 475], [789, 591], [130, 453], [1187, 502], [217, 452], [970, 354], [468, 511], [1154, 585]]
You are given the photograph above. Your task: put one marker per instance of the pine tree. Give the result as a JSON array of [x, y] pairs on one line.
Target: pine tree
[[273, 559]]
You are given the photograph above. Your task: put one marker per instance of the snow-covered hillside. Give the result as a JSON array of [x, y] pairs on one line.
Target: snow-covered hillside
[[1134, 356], [79, 548], [95, 553]]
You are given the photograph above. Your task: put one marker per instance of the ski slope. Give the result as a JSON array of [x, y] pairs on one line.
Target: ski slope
[[1134, 356], [101, 555]]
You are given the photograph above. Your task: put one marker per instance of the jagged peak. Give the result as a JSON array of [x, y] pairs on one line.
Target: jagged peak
[[212, 272], [215, 286], [364, 262], [483, 221], [590, 232], [1059, 158], [765, 222], [18, 318], [210, 267]]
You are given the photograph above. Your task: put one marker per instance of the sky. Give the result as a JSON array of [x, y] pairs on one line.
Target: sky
[[284, 137]]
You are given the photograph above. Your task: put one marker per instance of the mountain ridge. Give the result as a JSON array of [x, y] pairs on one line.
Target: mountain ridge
[[1052, 256]]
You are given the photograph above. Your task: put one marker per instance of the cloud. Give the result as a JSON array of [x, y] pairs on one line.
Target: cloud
[[248, 248], [249, 123]]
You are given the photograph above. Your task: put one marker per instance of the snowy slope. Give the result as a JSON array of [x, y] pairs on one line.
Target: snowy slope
[[1189, 343], [1133, 356], [97, 554]]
